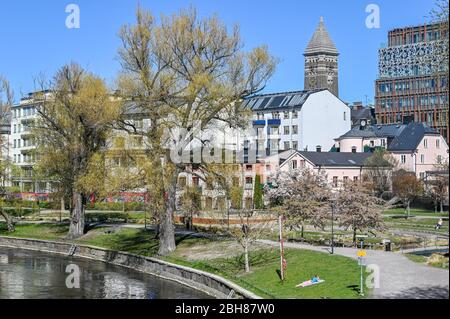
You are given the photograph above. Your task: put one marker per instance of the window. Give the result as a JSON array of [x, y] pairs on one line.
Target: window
[[276, 115], [294, 164], [425, 143], [295, 145], [249, 168], [354, 149], [403, 159], [345, 116], [294, 114], [335, 181], [422, 158], [355, 178], [287, 145], [195, 181], [286, 115], [295, 129], [438, 143], [318, 149], [345, 179], [422, 175], [287, 130], [274, 131], [439, 159]]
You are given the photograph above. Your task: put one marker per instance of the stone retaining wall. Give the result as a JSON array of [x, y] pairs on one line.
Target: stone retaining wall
[[211, 284]]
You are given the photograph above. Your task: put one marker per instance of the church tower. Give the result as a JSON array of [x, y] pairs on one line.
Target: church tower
[[321, 62]]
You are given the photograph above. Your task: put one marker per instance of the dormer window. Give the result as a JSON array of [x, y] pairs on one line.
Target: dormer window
[[354, 149], [318, 149]]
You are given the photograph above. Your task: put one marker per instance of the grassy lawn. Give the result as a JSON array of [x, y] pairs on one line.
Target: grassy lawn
[[37, 231], [223, 257], [437, 262], [415, 212]]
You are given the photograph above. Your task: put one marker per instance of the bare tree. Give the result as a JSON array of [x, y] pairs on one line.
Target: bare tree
[[182, 71], [437, 186], [303, 196], [407, 187], [378, 171]]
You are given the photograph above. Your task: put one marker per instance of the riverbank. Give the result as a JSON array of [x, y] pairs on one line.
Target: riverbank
[[222, 257]]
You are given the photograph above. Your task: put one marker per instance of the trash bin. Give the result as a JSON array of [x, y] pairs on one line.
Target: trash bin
[[387, 245]]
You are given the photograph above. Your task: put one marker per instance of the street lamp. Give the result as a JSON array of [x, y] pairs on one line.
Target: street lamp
[[333, 208]]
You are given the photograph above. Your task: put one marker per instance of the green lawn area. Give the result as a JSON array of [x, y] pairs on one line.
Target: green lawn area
[[341, 274], [439, 263], [415, 212], [37, 231]]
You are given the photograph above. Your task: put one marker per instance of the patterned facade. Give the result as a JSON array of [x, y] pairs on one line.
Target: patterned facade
[[412, 84]]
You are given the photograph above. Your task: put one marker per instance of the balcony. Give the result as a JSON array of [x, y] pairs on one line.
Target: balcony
[[259, 123], [274, 122]]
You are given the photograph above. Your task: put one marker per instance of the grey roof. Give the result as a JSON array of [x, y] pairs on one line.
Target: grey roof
[[365, 113], [274, 101], [336, 159], [382, 131], [410, 137], [404, 137], [321, 41]]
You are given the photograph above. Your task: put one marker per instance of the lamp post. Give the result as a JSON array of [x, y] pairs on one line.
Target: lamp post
[[333, 207]]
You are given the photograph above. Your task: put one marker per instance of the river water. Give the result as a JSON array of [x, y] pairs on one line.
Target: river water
[[35, 275]]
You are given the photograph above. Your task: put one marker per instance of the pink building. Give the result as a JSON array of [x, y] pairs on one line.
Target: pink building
[[417, 147], [339, 167]]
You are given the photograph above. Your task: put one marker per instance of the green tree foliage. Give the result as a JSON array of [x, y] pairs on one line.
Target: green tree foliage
[[258, 201], [76, 117], [181, 71]]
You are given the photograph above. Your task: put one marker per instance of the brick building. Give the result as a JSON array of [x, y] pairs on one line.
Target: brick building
[[412, 84]]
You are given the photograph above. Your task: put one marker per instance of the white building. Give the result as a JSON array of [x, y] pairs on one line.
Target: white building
[[22, 150], [301, 120], [5, 145]]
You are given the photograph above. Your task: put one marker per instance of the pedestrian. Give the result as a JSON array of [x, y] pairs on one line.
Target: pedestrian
[[439, 224]]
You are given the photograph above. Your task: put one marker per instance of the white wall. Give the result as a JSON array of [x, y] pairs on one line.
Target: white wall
[[322, 120]]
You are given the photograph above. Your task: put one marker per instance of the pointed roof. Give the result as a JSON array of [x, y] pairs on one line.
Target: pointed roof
[[321, 41]]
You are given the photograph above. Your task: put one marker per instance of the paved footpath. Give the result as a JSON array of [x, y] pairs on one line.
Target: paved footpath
[[400, 278]]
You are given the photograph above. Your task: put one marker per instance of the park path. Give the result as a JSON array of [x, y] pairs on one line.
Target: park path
[[400, 278]]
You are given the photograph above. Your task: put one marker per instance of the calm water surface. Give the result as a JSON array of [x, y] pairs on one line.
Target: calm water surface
[[36, 275]]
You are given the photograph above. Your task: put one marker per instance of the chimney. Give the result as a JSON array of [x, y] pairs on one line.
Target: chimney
[[357, 106]]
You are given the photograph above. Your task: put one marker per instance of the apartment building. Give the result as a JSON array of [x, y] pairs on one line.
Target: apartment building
[[412, 85], [300, 120], [417, 147]]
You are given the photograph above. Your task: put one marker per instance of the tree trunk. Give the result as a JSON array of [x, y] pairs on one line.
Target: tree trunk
[[77, 216], [409, 209], [354, 235], [303, 232], [167, 243], [246, 257], [9, 221], [442, 206]]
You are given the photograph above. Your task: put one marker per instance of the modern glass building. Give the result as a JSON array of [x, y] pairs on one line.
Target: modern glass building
[[412, 84]]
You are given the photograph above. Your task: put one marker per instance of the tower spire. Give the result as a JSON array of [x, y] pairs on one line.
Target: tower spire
[[321, 61]]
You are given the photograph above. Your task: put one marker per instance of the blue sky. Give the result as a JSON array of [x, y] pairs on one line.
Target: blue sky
[[34, 38]]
